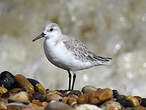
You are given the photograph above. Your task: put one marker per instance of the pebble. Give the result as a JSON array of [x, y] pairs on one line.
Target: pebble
[[55, 97], [111, 105], [24, 83], [37, 86], [143, 102], [88, 89], [53, 105], [7, 80], [100, 96], [83, 99], [3, 90], [87, 107], [72, 101], [38, 96], [126, 103], [20, 97], [133, 100], [3, 105]]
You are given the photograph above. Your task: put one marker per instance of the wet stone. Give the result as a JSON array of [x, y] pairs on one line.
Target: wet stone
[[24, 83], [7, 80]]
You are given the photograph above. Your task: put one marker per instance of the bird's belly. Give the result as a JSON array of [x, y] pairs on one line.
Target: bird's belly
[[61, 57]]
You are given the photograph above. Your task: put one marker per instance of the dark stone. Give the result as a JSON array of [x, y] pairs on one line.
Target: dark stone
[[33, 81], [126, 103], [115, 93], [7, 80], [143, 102], [39, 96]]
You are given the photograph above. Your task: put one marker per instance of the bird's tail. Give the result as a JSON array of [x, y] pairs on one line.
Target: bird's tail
[[103, 60]]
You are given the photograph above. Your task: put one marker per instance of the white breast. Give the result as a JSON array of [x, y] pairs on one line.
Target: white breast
[[63, 58]]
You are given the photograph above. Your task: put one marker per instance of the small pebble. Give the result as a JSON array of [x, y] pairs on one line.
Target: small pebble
[[55, 97], [126, 103], [143, 102], [83, 99], [3, 105], [3, 90], [111, 105], [72, 101], [88, 89], [53, 105], [87, 107], [133, 100], [19, 97]]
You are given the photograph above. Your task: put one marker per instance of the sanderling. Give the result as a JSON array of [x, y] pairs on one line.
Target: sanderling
[[68, 53]]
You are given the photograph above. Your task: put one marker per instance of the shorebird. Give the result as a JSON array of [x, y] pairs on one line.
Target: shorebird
[[68, 53]]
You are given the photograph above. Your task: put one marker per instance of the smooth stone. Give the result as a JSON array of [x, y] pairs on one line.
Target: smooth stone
[[87, 107], [111, 105], [53, 105], [7, 80], [133, 100], [88, 89], [20, 97], [24, 83], [3, 90]]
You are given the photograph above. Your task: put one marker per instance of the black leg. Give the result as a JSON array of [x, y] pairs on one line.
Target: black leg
[[69, 80], [74, 78]]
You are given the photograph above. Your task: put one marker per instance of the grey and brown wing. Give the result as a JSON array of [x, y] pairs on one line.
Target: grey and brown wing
[[82, 53]]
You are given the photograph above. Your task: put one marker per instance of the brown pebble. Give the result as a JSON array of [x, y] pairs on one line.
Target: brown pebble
[[100, 96], [83, 99], [104, 94], [40, 88], [44, 104], [37, 102], [3, 105], [133, 100], [55, 97], [72, 101], [24, 83], [88, 89], [138, 98], [3, 90], [19, 97], [65, 99]]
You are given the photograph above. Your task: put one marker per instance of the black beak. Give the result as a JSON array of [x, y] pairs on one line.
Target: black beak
[[38, 37]]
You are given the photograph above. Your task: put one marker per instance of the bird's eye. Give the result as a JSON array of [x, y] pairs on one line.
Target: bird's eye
[[51, 29]]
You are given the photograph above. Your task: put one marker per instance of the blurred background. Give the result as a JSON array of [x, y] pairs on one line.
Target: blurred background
[[113, 28]]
